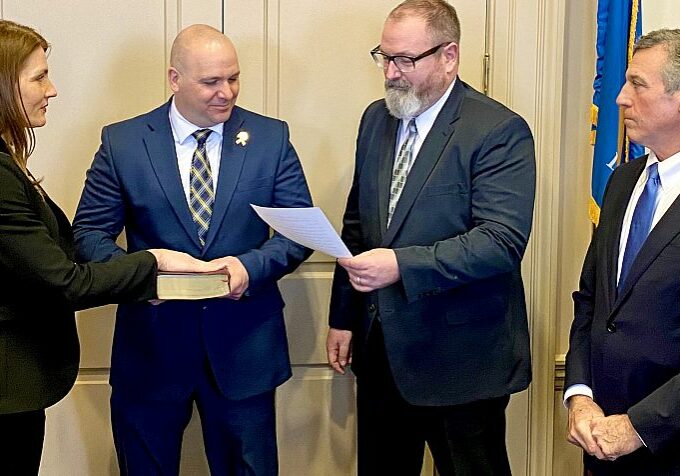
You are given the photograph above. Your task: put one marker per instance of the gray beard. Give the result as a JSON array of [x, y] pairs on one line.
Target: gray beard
[[401, 99]]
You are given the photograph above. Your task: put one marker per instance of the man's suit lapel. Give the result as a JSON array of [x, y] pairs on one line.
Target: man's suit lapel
[[661, 235], [231, 163], [619, 199], [161, 149], [428, 156], [385, 165]]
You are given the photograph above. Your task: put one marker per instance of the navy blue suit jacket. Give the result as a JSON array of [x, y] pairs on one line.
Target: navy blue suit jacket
[[134, 184], [455, 325], [626, 345]]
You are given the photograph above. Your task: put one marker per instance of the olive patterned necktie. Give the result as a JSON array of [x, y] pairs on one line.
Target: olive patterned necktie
[[401, 168], [201, 193]]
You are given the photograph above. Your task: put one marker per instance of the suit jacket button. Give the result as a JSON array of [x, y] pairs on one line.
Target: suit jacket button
[[611, 327], [371, 308]]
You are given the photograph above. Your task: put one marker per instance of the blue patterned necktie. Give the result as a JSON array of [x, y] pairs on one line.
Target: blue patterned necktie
[[641, 223], [201, 193], [401, 168]]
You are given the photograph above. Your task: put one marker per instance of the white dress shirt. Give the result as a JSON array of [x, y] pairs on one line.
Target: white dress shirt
[[185, 145]]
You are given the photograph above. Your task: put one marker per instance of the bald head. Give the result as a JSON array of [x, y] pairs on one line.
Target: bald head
[[194, 38], [204, 75]]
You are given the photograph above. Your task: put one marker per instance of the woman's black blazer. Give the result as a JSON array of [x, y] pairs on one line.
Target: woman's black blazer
[[41, 287]]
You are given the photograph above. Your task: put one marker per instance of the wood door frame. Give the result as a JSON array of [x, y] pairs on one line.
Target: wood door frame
[[527, 43]]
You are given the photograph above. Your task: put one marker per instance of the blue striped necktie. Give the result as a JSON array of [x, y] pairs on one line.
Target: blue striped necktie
[[201, 193], [641, 223]]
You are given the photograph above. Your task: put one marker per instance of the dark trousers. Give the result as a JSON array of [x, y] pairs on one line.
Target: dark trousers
[[21, 442], [239, 435], [464, 439]]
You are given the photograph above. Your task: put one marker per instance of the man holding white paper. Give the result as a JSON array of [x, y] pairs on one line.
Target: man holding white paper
[[431, 307]]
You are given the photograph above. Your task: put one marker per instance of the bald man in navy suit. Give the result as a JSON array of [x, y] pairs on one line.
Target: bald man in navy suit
[[226, 355]]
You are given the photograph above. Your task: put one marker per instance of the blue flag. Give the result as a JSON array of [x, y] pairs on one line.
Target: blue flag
[[619, 25]]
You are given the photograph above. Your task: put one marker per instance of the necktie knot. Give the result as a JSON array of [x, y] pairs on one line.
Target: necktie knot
[[201, 136], [653, 173], [412, 128]]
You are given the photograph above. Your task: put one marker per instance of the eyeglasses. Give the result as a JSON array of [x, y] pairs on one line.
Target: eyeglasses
[[405, 64]]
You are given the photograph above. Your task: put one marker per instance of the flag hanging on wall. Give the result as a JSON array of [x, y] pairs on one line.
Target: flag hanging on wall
[[619, 25]]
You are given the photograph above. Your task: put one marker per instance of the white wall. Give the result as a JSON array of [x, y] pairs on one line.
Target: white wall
[[660, 14]]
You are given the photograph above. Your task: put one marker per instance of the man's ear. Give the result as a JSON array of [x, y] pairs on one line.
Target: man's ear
[[173, 78], [451, 54]]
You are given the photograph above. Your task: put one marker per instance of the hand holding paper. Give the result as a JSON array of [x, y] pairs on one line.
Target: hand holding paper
[[371, 270]]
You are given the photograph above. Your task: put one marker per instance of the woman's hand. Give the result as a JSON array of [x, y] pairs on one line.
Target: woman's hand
[[178, 262]]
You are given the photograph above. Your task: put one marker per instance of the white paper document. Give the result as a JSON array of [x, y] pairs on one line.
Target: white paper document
[[307, 226]]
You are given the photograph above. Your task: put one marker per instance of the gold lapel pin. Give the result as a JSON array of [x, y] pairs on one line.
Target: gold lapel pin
[[242, 138]]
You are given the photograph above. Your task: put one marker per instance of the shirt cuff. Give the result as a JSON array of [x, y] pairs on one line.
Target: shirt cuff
[[638, 434], [577, 389]]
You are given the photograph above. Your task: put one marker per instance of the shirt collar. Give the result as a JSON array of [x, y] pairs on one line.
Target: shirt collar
[[669, 169], [425, 120], [182, 128]]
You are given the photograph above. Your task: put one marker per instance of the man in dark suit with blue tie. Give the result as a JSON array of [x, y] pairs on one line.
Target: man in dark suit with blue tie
[[431, 307], [623, 365], [183, 177]]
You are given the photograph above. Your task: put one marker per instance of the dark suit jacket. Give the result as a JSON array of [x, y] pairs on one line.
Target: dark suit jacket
[[41, 289], [455, 325], [626, 346], [134, 183]]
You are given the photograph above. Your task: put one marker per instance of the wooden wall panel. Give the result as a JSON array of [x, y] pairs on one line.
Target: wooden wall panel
[[307, 295], [78, 439]]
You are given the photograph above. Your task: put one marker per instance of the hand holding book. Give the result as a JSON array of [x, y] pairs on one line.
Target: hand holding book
[[238, 275], [182, 276]]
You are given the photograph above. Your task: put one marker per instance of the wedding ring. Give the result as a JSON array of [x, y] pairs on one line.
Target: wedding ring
[[359, 280]]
